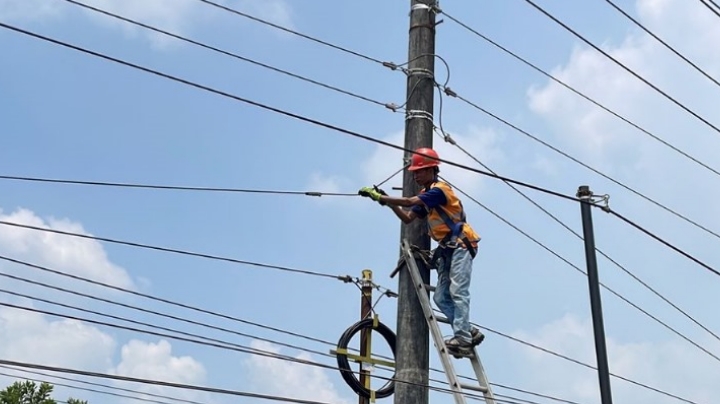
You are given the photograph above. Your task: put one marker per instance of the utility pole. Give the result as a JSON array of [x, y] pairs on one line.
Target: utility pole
[[412, 359], [585, 196], [365, 311]]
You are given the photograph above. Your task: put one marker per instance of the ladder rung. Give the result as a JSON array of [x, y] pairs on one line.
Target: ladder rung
[[430, 287], [442, 319], [472, 387]]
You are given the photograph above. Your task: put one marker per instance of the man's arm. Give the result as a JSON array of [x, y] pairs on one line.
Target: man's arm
[[396, 203]]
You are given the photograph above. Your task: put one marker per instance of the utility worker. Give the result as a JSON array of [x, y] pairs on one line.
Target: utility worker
[[457, 243]]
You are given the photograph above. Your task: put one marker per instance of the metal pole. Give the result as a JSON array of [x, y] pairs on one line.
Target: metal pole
[[585, 196], [365, 310], [412, 358]]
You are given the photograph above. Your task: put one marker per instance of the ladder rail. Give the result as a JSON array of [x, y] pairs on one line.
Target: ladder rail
[[422, 290], [432, 323]]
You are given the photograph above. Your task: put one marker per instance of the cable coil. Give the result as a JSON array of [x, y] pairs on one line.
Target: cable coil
[[344, 364]]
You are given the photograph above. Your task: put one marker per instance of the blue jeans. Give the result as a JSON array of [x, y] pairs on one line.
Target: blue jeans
[[452, 292]]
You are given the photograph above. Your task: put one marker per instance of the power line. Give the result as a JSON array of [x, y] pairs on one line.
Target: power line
[[97, 385], [345, 278], [147, 400], [583, 364], [277, 26], [46, 269], [173, 187], [667, 244], [665, 44], [448, 139], [596, 171], [597, 48], [581, 94], [273, 109], [158, 382], [709, 4], [156, 313], [231, 54], [618, 295]]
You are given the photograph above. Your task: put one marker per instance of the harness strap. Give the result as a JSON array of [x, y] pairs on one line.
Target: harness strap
[[455, 230]]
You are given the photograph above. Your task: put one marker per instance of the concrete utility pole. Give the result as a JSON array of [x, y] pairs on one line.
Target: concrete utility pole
[[412, 359], [365, 311]]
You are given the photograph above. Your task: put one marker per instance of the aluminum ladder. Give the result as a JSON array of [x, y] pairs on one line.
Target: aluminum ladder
[[457, 388]]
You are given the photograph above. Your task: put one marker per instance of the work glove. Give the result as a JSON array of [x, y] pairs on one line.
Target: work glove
[[373, 193]]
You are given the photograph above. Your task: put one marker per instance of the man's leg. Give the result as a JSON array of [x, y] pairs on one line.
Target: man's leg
[[442, 297], [460, 274]]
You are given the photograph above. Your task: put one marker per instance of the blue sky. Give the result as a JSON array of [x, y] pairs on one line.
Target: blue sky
[[73, 116]]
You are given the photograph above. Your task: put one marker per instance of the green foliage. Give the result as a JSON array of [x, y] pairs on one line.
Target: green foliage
[[28, 392]]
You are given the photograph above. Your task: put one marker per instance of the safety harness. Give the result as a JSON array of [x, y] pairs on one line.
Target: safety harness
[[449, 243]]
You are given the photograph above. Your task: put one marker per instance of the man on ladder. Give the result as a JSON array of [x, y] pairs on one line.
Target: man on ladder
[[457, 244]]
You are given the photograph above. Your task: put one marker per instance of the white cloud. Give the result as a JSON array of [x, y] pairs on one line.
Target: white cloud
[[31, 337], [30, 10], [604, 139], [673, 366], [155, 361], [290, 379], [79, 256]]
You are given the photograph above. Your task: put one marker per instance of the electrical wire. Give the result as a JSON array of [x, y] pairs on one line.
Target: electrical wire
[[288, 30], [596, 171], [158, 382], [667, 244], [709, 4], [616, 294], [581, 94], [583, 364], [273, 109], [147, 400], [665, 44], [217, 328], [140, 309], [49, 270], [344, 278], [175, 399], [448, 139], [172, 187], [639, 77], [231, 54]]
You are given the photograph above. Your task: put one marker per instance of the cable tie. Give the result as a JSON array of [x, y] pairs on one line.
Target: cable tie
[[313, 193], [420, 6]]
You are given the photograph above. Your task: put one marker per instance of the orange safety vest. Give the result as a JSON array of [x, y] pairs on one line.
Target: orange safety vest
[[439, 229]]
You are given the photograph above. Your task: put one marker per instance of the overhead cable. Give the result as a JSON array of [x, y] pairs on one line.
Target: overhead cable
[[232, 54], [712, 6], [644, 80], [344, 278], [665, 44], [583, 364], [173, 187], [581, 94], [288, 30], [158, 382], [664, 242], [596, 171], [450, 140], [88, 383], [565, 260], [273, 109], [49, 270], [108, 393]]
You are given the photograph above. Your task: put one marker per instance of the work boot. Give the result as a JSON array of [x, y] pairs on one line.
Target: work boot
[[458, 348], [477, 336]]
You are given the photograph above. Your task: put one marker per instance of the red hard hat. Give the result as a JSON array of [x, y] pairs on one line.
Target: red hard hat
[[424, 160]]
